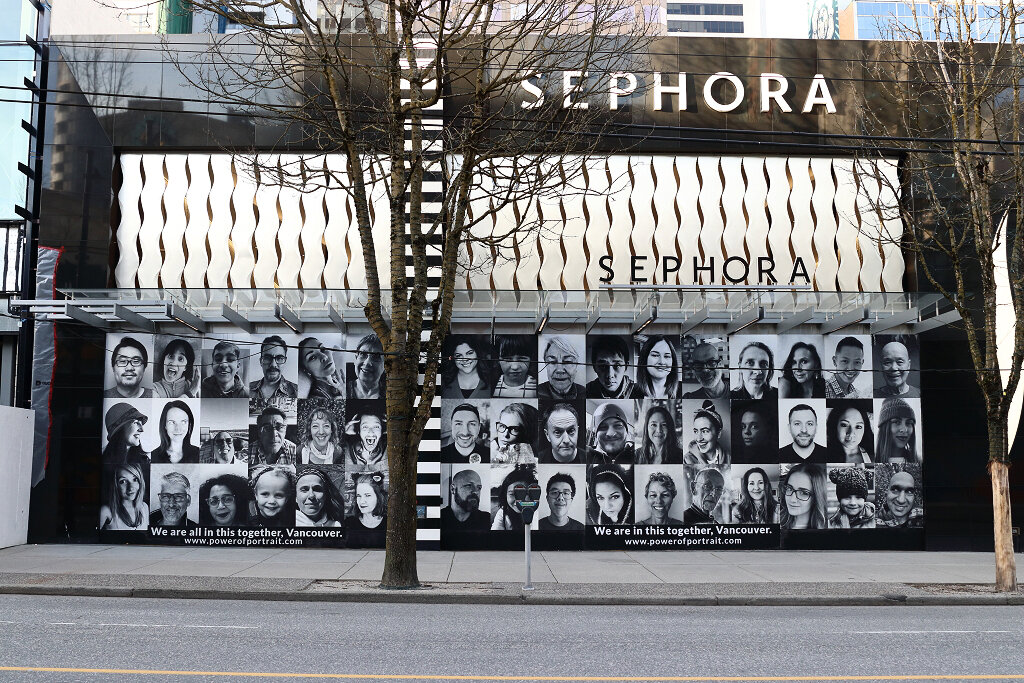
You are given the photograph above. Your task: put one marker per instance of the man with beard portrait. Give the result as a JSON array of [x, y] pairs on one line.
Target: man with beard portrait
[[463, 512]]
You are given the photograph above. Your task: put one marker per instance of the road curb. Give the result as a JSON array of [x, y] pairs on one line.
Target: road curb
[[427, 597]]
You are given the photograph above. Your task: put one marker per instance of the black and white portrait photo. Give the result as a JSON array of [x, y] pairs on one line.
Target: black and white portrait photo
[[321, 367], [709, 494], [802, 435], [517, 366], [563, 434], [804, 494], [174, 499], [365, 440], [662, 495], [658, 371], [463, 488], [563, 501], [319, 431], [707, 432], [224, 432], [465, 427], [659, 432], [505, 514], [273, 378], [468, 367], [756, 366], [127, 435], [897, 430], [705, 366], [610, 497], [225, 360], [129, 372], [755, 431], [610, 433], [899, 498], [801, 369], [124, 495], [755, 494], [513, 431], [224, 496], [563, 363], [367, 522], [851, 496], [848, 363], [897, 373], [175, 367], [273, 490], [318, 498], [272, 438], [612, 370], [177, 424], [849, 432], [364, 371]]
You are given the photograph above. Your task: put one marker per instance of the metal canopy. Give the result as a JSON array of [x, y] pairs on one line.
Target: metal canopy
[[636, 308]]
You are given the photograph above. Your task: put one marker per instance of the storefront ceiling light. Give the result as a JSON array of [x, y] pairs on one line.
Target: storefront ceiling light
[[593, 317], [745, 320], [187, 318], [790, 321], [646, 317], [895, 320], [76, 313], [337, 318], [237, 319], [692, 321], [936, 321], [132, 318], [543, 320], [288, 317], [837, 323]]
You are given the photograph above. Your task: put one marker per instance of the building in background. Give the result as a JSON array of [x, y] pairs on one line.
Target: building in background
[[120, 17], [889, 20], [731, 18], [823, 19]]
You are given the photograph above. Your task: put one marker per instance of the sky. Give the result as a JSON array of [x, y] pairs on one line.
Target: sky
[[787, 18]]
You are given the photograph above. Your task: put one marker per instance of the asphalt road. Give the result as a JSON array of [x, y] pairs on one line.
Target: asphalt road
[[440, 641]]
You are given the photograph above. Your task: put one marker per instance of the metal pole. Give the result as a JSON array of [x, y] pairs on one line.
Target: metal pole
[[527, 586]]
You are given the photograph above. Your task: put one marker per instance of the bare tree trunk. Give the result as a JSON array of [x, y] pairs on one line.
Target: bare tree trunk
[[999, 471], [400, 558]]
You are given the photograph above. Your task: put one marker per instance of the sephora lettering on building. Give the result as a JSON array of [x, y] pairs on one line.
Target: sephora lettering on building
[[733, 270], [722, 92]]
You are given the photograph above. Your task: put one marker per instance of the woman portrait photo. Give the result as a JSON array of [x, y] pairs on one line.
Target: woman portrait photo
[[319, 431], [318, 502], [125, 425], [852, 488], [850, 439], [897, 440], [125, 508], [801, 372], [755, 431], [177, 422], [755, 367], [365, 374], [658, 370], [366, 438], [609, 495], [224, 500], [804, 497], [660, 493], [367, 526], [273, 489], [757, 504], [176, 374], [316, 364], [517, 360], [506, 515], [515, 433], [706, 447], [659, 444], [467, 368]]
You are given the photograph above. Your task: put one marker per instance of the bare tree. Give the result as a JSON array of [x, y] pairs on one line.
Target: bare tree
[[526, 90], [952, 115]]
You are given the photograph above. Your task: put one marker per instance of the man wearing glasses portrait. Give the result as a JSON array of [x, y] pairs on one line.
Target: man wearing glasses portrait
[[174, 500], [710, 371], [270, 445], [129, 361], [273, 389]]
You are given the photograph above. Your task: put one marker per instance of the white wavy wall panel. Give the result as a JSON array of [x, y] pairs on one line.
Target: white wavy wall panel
[[202, 220]]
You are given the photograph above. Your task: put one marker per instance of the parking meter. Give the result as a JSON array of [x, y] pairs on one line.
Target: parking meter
[[527, 499]]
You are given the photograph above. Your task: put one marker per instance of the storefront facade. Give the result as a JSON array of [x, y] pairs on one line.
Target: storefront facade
[[713, 346]]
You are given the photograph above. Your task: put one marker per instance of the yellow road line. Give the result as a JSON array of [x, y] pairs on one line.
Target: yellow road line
[[567, 679]]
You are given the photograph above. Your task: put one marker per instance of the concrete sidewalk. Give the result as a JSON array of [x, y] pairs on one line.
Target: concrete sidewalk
[[691, 577]]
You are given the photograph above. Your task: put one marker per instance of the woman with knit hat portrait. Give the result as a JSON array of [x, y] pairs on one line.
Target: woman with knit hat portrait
[[898, 439], [125, 425], [708, 430], [900, 502], [855, 512]]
